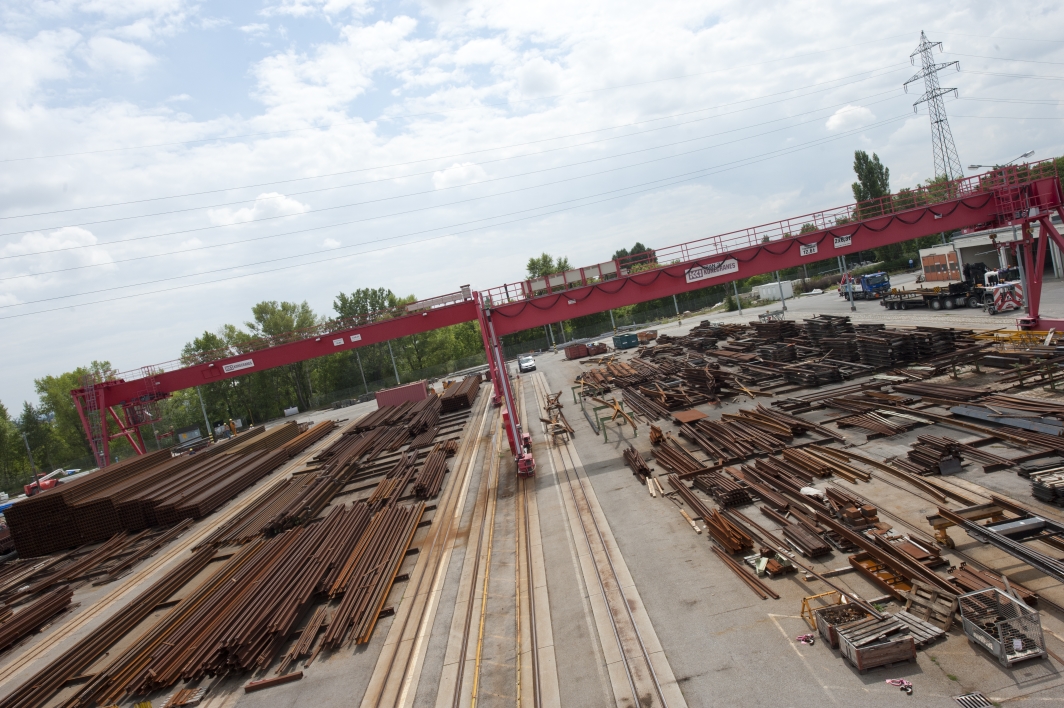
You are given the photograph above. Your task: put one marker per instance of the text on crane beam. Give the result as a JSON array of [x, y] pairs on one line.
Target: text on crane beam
[[808, 250], [238, 366], [713, 270], [843, 241]]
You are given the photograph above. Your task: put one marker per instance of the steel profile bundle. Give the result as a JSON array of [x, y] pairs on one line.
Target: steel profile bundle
[[461, 395], [723, 488], [671, 455], [638, 465], [395, 481], [45, 523], [239, 619], [38, 689], [429, 478], [366, 581], [727, 534], [308, 437], [30, 618]]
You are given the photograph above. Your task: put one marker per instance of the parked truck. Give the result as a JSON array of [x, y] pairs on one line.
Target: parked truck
[[865, 287], [988, 290]]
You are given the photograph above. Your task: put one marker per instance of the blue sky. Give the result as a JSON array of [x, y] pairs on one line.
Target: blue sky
[[420, 146]]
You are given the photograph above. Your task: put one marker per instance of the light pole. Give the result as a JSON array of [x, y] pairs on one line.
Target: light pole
[[997, 167]]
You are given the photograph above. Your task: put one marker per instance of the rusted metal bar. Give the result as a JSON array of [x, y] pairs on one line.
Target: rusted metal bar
[[270, 682]]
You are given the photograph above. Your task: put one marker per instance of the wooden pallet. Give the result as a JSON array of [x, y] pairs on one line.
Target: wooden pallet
[[931, 605], [923, 633]]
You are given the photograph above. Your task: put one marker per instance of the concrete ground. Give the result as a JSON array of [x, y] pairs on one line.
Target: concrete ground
[[723, 644]]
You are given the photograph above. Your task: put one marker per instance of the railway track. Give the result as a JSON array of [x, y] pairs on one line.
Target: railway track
[[130, 584], [639, 672]]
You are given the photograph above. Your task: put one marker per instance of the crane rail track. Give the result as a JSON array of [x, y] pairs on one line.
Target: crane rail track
[[642, 677]]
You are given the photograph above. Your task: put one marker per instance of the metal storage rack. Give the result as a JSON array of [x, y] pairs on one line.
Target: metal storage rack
[[1002, 625]]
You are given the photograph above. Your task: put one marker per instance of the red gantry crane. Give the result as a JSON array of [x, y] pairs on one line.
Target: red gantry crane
[[1018, 196]]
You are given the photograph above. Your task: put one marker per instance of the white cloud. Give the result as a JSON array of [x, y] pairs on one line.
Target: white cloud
[[330, 243], [539, 77], [850, 117], [266, 205], [52, 258], [28, 63], [255, 29], [107, 54], [458, 174], [307, 8]]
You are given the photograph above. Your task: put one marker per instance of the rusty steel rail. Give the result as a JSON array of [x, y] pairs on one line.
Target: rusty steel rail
[[29, 619]]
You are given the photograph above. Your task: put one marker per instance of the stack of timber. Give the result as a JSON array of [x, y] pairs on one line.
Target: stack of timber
[[1048, 486]]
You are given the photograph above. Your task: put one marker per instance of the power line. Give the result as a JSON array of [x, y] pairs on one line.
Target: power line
[[440, 113], [419, 174], [990, 36], [885, 69], [676, 179], [1015, 76], [405, 212], [1025, 61], [382, 199]]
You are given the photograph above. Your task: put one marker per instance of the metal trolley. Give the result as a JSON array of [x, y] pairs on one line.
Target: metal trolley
[[1002, 625]]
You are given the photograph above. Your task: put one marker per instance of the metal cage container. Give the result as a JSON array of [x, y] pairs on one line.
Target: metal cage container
[[1002, 625]]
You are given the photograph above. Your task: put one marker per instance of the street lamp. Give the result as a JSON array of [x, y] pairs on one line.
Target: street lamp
[[995, 167]]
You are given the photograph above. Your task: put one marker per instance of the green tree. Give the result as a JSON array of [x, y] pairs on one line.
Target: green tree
[[545, 264], [873, 182], [278, 322], [873, 177], [635, 250], [56, 403], [39, 435], [14, 471], [365, 303]]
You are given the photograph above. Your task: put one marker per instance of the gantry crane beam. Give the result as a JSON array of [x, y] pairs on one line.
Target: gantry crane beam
[[1020, 196]]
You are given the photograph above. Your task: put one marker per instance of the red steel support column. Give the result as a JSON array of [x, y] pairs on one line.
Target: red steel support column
[[493, 373]]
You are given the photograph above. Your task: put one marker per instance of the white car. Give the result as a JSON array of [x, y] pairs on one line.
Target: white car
[[526, 363]]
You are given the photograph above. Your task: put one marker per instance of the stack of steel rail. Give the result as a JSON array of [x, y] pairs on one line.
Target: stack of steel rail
[[240, 618], [650, 410], [877, 424], [430, 477], [461, 395], [671, 455], [727, 534], [636, 462], [150, 490], [723, 488], [805, 538], [42, 687], [943, 392], [273, 507], [390, 488], [365, 580], [308, 437], [30, 618]]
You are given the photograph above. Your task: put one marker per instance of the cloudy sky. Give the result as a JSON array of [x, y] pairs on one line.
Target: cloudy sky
[[165, 164]]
